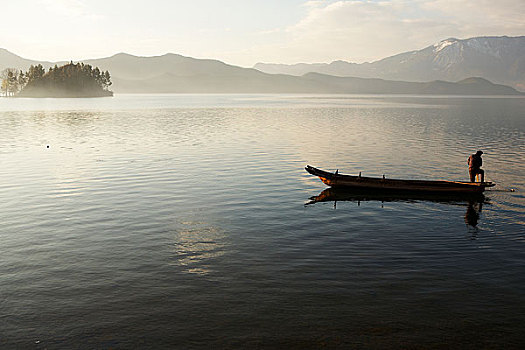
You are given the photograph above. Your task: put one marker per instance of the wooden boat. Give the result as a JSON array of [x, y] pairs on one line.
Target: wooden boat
[[353, 181]]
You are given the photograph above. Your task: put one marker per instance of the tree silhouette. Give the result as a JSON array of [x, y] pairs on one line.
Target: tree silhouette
[[69, 80], [10, 81]]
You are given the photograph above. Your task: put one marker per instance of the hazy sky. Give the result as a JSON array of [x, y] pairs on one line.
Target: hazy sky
[[244, 32]]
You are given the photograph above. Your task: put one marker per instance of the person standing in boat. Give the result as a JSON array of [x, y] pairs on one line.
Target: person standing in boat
[[474, 166]]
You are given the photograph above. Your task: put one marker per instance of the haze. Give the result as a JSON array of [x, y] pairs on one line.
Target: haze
[[244, 32]]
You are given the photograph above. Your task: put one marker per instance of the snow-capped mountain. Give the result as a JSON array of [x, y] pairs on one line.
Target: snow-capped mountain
[[498, 59]]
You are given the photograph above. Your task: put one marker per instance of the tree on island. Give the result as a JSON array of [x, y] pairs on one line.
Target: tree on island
[[69, 80], [11, 81]]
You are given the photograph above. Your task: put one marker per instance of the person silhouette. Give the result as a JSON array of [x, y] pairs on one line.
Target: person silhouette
[[474, 166]]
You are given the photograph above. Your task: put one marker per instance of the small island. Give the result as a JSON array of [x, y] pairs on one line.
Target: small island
[[69, 80]]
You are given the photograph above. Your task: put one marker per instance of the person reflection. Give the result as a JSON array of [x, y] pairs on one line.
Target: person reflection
[[472, 214]]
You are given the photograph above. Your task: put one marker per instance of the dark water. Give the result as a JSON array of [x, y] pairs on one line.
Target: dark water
[[180, 222]]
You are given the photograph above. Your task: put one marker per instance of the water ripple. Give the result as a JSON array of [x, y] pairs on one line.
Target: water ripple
[[185, 220]]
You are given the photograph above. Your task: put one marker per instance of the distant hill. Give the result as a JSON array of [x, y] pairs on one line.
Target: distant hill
[[498, 59], [127, 66], [469, 86], [256, 82], [171, 73], [10, 60]]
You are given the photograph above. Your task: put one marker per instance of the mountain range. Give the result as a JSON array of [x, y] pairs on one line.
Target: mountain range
[[172, 73], [498, 59]]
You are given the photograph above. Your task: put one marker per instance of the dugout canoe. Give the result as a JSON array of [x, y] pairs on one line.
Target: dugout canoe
[[356, 181]]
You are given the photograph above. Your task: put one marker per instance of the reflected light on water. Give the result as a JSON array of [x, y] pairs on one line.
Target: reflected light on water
[[196, 245]]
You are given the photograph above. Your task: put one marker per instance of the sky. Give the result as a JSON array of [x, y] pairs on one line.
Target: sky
[[244, 32]]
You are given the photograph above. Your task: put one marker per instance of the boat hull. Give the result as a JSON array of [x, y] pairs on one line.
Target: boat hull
[[359, 182]]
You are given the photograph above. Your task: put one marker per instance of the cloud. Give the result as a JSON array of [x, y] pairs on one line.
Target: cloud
[[473, 17], [270, 31], [364, 30], [307, 31], [68, 8]]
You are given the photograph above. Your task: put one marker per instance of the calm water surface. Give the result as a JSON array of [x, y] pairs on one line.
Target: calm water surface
[[179, 221]]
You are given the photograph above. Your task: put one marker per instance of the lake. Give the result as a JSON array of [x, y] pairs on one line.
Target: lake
[[181, 222]]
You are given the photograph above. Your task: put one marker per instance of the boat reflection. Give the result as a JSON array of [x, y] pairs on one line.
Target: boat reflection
[[473, 201]]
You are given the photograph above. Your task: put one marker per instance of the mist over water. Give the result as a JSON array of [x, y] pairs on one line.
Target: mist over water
[[179, 221]]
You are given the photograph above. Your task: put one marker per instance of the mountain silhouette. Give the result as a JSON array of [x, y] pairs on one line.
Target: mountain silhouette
[[498, 59]]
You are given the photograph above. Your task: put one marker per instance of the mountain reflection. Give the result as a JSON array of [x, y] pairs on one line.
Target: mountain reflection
[[473, 201]]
